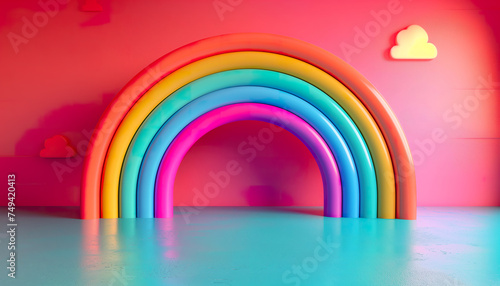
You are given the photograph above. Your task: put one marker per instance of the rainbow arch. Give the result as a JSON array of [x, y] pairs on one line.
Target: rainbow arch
[[364, 158]]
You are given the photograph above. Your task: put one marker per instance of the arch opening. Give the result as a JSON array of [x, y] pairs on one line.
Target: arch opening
[[272, 168]]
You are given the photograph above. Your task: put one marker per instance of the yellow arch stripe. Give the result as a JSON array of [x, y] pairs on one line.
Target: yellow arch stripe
[[241, 60]]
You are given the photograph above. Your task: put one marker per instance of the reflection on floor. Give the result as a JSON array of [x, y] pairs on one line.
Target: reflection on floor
[[256, 246]]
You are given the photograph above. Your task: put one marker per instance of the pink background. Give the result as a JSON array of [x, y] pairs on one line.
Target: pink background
[[61, 79]]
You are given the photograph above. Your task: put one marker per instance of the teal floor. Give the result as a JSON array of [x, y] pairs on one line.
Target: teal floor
[[255, 246]]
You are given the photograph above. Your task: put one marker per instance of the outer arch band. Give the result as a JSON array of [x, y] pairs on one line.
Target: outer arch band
[[289, 84], [405, 176], [246, 111], [253, 94]]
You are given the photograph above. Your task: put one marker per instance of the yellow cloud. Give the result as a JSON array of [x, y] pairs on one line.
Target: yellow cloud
[[412, 43]]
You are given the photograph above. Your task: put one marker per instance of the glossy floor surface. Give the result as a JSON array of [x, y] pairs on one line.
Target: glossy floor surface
[[255, 246]]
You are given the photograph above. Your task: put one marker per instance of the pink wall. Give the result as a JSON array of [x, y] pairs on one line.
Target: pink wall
[[66, 70]]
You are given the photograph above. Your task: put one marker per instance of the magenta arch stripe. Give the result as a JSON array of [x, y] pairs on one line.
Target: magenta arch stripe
[[247, 111]]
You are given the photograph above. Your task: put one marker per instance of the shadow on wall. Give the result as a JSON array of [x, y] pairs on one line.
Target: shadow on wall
[[73, 121], [54, 182], [391, 43]]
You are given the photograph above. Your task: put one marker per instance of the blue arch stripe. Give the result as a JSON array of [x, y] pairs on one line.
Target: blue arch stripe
[[213, 100]]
